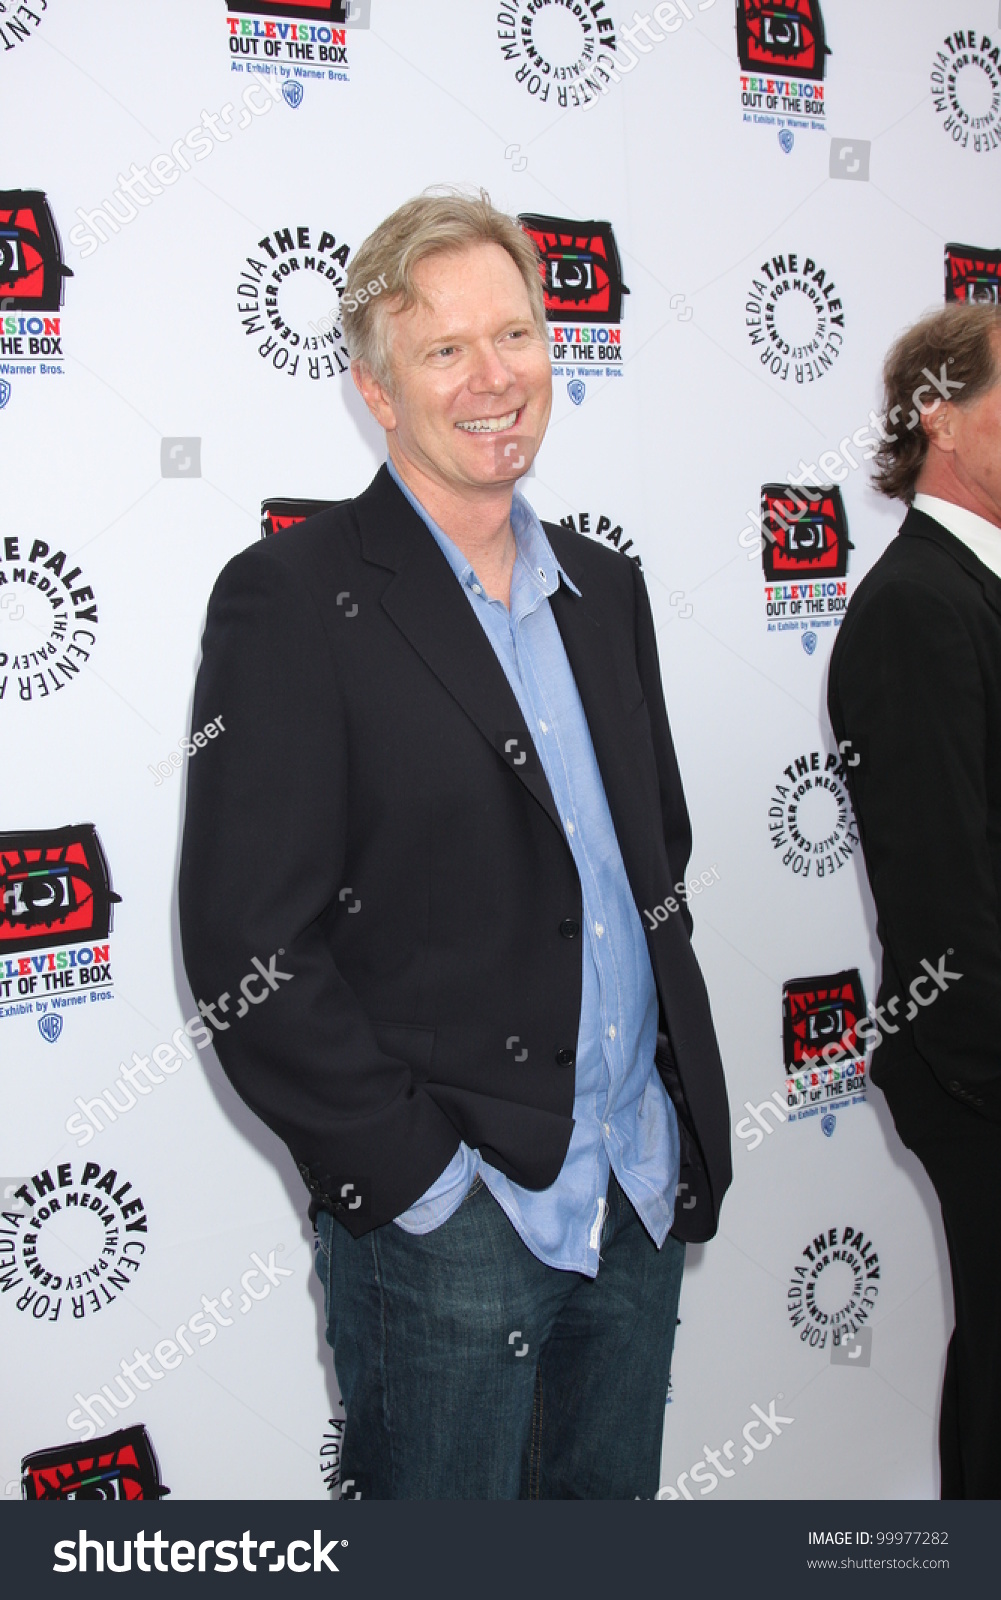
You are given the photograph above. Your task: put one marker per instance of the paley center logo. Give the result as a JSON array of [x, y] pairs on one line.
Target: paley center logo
[[56, 907], [73, 1241], [795, 318], [972, 275], [782, 49], [966, 90], [291, 295], [810, 816], [582, 286], [555, 48], [32, 276], [118, 1466], [19, 23], [833, 1288], [604, 528], [48, 619]]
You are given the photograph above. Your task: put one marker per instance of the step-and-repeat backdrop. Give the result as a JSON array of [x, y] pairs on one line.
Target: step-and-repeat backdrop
[[737, 208]]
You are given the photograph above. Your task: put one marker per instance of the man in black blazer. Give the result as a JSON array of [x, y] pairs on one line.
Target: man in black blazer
[[915, 702], [436, 892]]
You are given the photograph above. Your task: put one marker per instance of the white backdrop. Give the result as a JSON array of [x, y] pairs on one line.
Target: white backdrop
[[674, 448]]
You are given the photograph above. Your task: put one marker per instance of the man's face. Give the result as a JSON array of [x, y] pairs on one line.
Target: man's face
[[472, 383], [977, 458]]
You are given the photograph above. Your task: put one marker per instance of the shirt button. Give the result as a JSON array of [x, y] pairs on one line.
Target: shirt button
[[477, 589], [565, 1058], [599, 928], [569, 826], [606, 1128], [544, 726], [569, 928], [611, 1031]]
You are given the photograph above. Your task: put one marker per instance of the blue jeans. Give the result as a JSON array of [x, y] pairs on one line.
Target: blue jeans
[[472, 1371]]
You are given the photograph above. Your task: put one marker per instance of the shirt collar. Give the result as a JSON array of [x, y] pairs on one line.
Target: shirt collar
[[533, 550], [979, 535]]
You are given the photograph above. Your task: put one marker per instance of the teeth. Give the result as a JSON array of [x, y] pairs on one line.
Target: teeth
[[489, 424]]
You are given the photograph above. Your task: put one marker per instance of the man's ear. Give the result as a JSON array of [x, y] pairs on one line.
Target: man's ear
[[374, 395], [939, 426]]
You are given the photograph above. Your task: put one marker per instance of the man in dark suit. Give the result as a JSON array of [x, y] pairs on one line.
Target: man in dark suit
[[445, 793], [915, 702]]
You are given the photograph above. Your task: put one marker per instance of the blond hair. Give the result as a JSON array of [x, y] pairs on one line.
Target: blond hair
[[380, 277]]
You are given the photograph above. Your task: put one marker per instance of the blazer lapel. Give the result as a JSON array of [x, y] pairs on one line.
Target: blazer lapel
[[917, 524], [426, 603]]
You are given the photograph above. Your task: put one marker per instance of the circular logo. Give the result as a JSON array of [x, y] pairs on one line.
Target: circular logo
[[288, 299], [554, 47], [795, 318], [330, 1453], [966, 89], [48, 619], [71, 1245], [810, 816], [833, 1287]]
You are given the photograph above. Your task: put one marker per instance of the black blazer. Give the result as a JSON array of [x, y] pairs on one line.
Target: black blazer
[[915, 685], [374, 809]]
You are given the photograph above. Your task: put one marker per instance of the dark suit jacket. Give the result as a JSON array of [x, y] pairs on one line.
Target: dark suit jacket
[[375, 809], [915, 685]]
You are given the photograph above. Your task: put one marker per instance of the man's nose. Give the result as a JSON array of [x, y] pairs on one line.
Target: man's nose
[[489, 370]]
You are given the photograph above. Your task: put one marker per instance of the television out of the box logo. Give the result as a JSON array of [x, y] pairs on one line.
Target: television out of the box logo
[[804, 531], [31, 259], [786, 37], [119, 1466], [972, 276], [821, 1014], [276, 515], [581, 270], [55, 888]]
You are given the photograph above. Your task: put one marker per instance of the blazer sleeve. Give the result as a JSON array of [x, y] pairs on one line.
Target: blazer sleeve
[[674, 812], [262, 864], [907, 691]]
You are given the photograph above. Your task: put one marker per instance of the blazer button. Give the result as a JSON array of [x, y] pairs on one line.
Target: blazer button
[[569, 928], [565, 1058]]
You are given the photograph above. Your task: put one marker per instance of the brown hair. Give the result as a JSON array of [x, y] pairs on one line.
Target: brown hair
[[955, 348], [380, 277]]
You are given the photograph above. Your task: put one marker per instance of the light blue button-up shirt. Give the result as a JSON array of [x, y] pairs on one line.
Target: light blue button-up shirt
[[623, 1117]]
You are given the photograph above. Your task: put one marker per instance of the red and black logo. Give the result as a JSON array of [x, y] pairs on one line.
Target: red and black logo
[[782, 36], [120, 1466], [580, 267], [277, 515], [55, 888], [804, 532], [31, 257], [972, 275], [312, 10], [821, 1014]]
